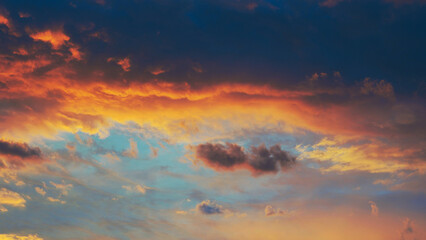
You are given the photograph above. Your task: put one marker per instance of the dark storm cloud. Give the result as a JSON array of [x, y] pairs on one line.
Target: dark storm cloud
[[220, 155], [270, 160], [204, 42], [21, 150], [232, 156]]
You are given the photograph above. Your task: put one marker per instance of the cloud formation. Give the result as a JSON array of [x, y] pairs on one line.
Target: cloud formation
[[209, 207], [232, 156], [271, 211], [21, 150], [10, 198]]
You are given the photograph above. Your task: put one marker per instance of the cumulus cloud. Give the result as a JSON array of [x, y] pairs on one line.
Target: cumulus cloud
[[55, 37], [21, 150], [270, 211], [379, 88], [209, 207], [231, 156], [40, 191]]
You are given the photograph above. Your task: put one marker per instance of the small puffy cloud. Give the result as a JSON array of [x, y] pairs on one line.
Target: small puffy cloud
[[75, 53], [40, 191], [63, 187], [136, 189], [232, 156], [19, 237], [4, 20], [124, 63], [10, 198], [209, 207], [20, 183], [157, 71], [55, 200], [270, 211], [3, 209], [374, 208], [24, 15], [181, 212], [379, 88], [55, 37]]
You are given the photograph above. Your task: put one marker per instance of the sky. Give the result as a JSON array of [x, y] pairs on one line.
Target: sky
[[213, 119]]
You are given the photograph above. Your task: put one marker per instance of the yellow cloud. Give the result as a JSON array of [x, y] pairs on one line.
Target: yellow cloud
[[373, 157], [19, 237], [11, 198]]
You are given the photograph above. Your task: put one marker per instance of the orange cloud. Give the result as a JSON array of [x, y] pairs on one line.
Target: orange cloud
[[55, 37], [5, 21]]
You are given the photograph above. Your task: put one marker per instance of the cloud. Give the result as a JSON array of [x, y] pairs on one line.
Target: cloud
[[232, 156], [157, 70], [181, 212], [5, 21], [374, 156], [19, 237], [40, 191], [379, 88], [374, 208], [21, 150], [209, 207], [270, 211], [63, 187], [10, 198], [133, 151], [55, 37], [56, 200], [124, 63], [218, 155], [137, 188], [408, 229]]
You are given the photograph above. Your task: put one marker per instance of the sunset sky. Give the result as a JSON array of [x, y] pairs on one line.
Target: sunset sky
[[213, 119]]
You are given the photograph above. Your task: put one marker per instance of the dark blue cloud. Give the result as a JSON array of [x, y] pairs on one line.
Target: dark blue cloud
[[202, 42]]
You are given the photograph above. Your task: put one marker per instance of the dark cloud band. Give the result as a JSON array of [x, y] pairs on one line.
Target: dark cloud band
[[21, 150]]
